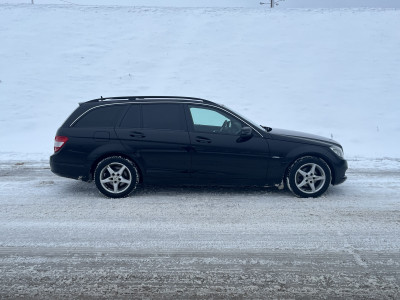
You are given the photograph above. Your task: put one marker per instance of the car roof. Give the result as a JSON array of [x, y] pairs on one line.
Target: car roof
[[121, 99]]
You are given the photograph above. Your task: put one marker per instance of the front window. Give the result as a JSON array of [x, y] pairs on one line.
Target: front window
[[213, 121]]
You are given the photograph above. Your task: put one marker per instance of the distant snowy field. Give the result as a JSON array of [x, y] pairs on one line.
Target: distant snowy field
[[332, 72], [223, 3]]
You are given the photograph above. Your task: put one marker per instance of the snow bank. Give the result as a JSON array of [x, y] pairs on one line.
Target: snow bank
[[334, 73]]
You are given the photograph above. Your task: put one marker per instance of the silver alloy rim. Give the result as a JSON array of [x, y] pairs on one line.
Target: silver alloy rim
[[115, 178], [310, 178]]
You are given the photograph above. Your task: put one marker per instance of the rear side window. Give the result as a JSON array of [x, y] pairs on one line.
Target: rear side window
[[105, 116], [163, 116], [132, 117]]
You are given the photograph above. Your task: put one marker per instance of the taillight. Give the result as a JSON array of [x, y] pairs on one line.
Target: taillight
[[59, 142]]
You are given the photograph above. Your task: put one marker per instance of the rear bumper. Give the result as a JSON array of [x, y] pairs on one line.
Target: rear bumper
[[68, 170]]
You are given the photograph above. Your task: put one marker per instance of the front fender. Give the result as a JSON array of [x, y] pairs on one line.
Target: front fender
[[284, 153]]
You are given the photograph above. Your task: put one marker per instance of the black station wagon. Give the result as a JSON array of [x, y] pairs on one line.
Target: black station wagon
[[120, 142]]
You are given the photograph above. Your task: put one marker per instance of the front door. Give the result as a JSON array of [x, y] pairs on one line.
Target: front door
[[219, 154]]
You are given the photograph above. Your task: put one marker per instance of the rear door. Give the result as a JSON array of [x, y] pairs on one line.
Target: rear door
[[156, 135], [219, 154]]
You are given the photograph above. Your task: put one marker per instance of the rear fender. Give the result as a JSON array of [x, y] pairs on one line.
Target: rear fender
[[112, 149]]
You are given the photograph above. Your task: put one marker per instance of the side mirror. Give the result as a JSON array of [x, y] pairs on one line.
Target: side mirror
[[246, 132]]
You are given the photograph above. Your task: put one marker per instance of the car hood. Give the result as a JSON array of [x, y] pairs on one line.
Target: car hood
[[300, 136]]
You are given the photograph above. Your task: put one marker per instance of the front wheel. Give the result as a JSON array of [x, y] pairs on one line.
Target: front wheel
[[116, 177], [308, 177]]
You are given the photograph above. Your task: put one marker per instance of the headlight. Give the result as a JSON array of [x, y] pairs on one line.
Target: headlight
[[338, 151]]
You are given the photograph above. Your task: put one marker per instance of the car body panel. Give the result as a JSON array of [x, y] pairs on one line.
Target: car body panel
[[162, 152], [222, 158], [189, 156]]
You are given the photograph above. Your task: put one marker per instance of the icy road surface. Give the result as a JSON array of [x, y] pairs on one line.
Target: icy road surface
[[60, 238]]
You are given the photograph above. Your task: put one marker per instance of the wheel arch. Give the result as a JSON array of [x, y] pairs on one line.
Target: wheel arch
[[311, 154], [115, 153]]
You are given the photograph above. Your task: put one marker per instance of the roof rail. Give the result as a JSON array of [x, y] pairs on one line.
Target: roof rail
[[134, 98]]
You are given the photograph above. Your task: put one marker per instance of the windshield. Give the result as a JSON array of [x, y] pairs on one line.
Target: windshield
[[255, 124]]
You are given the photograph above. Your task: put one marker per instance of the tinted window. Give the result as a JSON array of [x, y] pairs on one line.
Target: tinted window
[[132, 117], [210, 120], [105, 116], [202, 116], [163, 116]]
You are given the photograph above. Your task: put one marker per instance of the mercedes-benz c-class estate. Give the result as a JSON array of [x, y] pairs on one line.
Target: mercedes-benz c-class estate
[[120, 142]]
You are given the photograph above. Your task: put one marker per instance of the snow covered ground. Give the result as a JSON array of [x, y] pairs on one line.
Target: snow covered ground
[[333, 72], [61, 238]]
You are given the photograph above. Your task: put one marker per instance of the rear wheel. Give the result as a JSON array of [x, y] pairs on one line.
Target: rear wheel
[[116, 177], [309, 177]]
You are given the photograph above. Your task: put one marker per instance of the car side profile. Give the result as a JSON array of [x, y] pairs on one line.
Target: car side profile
[[120, 142]]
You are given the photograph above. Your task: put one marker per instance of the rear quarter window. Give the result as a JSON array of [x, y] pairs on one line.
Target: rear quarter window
[[105, 116]]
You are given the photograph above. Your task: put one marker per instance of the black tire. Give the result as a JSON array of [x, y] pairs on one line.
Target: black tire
[[308, 176], [113, 183]]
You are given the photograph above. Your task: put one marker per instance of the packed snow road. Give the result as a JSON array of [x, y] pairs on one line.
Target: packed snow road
[[60, 238]]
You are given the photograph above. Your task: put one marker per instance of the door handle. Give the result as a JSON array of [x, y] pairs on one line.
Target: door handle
[[136, 134], [201, 139]]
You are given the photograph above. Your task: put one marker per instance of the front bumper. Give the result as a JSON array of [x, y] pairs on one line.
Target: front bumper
[[340, 169], [343, 179]]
